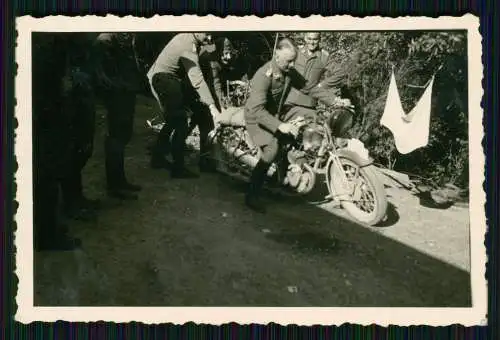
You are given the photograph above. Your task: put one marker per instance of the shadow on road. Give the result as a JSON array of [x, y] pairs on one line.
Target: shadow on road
[[308, 229], [194, 243]]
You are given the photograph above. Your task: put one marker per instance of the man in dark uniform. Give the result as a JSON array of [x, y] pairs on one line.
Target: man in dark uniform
[[316, 66], [216, 66], [51, 140], [178, 84], [311, 63], [118, 82], [80, 106], [265, 119]]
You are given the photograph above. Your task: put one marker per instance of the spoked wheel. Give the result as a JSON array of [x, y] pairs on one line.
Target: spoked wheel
[[362, 194]]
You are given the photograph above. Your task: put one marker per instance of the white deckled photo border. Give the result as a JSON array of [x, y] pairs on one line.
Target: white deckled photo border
[[27, 312]]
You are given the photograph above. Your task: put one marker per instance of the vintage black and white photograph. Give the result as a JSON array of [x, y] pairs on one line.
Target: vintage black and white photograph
[[277, 162]]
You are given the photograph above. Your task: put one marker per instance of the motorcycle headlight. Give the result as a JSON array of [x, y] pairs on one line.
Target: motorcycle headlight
[[340, 122], [311, 138]]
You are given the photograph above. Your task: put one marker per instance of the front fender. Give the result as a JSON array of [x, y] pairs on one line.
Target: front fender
[[361, 161], [344, 153]]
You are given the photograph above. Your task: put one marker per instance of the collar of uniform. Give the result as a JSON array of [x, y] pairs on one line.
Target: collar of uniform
[[196, 44], [274, 71], [313, 54]]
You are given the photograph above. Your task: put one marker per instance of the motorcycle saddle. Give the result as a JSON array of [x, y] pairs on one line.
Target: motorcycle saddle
[[234, 116]]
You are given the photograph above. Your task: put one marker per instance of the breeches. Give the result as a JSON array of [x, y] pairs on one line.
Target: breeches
[[176, 100], [271, 147]]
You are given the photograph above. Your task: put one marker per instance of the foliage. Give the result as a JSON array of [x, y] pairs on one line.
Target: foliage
[[367, 59]]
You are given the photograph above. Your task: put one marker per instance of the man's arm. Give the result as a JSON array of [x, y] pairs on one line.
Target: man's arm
[[298, 81], [191, 64], [256, 103], [217, 83]]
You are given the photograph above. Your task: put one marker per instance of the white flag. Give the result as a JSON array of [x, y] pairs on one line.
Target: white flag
[[410, 131]]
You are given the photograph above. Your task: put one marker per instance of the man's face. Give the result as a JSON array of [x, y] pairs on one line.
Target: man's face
[[227, 53], [312, 41], [285, 59], [203, 38]]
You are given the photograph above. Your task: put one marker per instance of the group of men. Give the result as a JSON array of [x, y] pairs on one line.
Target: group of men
[[286, 87], [71, 72]]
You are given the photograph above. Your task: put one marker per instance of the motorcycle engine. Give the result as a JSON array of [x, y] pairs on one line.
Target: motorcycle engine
[[299, 175]]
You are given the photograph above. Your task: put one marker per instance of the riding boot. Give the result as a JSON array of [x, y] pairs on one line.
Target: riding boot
[[158, 160], [206, 163], [257, 179], [114, 162], [125, 184], [81, 201], [178, 151], [75, 205]]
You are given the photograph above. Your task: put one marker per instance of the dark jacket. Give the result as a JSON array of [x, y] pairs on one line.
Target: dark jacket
[[51, 136], [322, 79], [212, 71], [117, 65]]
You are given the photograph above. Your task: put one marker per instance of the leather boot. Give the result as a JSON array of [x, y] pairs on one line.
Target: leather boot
[[178, 143], [257, 179], [159, 150], [114, 171]]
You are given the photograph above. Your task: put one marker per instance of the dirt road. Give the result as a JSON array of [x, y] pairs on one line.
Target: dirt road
[[193, 243]]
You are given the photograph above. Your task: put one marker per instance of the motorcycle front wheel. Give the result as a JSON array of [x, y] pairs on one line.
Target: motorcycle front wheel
[[364, 196]]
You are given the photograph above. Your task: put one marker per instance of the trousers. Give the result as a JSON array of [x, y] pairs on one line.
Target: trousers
[[80, 105], [270, 149], [176, 99], [120, 107]]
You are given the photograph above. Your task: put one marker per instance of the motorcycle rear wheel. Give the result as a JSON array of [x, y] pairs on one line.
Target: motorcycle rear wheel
[[369, 180]]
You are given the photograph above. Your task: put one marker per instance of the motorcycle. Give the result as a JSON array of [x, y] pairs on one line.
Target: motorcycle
[[320, 149]]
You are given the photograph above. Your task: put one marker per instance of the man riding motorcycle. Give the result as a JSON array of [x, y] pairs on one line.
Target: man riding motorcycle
[[265, 119]]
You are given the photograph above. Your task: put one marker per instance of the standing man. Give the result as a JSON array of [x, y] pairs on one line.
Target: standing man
[[312, 63], [215, 64], [118, 82], [265, 119], [80, 106], [177, 82], [51, 140]]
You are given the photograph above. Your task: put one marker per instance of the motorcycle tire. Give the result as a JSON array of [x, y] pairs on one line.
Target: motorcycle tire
[[371, 179]]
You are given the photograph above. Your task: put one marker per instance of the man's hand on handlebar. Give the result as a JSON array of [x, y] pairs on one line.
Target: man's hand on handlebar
[[288, 129], [343, 102]]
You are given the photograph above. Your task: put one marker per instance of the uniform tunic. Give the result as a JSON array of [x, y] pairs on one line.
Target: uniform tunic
[[323, 81], [212, 69], [311, 67], [216, 74], [51, 136], [178, 58], [263, 109], [118, 81]]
